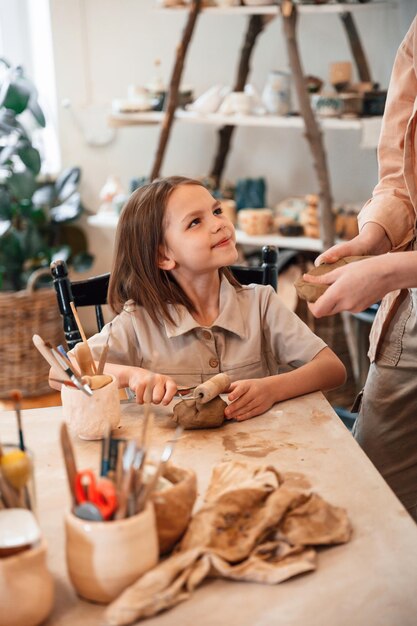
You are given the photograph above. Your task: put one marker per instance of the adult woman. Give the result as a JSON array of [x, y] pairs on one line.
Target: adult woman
[[386, 427]]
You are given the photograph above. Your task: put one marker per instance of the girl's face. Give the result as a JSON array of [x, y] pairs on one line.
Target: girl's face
[[198, 237]]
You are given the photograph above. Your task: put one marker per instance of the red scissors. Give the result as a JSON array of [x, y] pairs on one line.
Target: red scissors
[[101, 492]]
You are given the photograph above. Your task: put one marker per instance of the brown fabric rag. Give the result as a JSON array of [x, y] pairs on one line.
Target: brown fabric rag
[[252, 527]]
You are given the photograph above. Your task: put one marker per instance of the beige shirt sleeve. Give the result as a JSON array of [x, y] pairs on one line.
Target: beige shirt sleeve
[[290, 340], [391, 205], [124, 345]]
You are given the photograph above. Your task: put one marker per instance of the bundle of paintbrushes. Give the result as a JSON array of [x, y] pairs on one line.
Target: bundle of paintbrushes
[[16, 468], [125, 483]]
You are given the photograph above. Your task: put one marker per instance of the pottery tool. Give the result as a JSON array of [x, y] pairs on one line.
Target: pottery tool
[[82, 333], [67, 383], [104, 353], [101, 492], [211, 388], [97, 381], [64, 353], [88, 511], [16, 396], [165, 456], [69, 460], [105, 454], [68, 371], [47, 353], [84, 359], [127, 480]]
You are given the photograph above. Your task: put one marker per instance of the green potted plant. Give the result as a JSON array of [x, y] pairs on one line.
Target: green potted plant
[[36, 226]]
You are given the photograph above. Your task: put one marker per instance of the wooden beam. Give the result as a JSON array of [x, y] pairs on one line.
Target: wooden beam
[[312, 128], [181, 53], [256, 24], [356, 47]]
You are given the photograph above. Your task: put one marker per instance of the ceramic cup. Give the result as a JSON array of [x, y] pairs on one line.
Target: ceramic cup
[[26, 588], [90, 417], [103, 558]]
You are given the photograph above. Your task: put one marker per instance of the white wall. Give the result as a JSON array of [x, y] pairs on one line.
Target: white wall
[[101, 46]]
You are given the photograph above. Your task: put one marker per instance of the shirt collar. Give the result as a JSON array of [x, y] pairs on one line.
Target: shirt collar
[[230, 317]]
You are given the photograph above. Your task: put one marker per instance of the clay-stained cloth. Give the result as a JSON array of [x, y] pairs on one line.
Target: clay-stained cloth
[[254, 526]]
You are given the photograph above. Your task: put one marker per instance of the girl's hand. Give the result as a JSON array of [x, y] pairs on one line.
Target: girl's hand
[[371, 240], [151, 387], [248, 398], [353, 287]]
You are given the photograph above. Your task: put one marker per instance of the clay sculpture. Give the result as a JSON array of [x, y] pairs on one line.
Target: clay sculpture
[[205, 409], [312, 292]]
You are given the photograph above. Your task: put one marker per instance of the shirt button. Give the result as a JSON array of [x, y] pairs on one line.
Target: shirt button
[[213, 363], [206, 334]]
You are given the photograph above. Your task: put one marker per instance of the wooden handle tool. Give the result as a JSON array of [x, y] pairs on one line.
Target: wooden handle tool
[[84, 359], [69, 460], [211, 388]]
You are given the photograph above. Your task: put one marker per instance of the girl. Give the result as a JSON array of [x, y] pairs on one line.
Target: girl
[[183, 318]]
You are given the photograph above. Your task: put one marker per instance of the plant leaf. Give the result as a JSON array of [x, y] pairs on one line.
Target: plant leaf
[[15, 92], [67, 182], [44, 196], [22, 184], [30, 157], [68, 211], [5, 204], [7, 153], [36, 111]]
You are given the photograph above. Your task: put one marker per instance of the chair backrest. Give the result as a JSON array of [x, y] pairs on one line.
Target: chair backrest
[[93, 291], [89, 292], [264, 274]]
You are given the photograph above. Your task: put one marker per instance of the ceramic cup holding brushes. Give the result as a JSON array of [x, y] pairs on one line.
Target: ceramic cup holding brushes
[[91, 417]]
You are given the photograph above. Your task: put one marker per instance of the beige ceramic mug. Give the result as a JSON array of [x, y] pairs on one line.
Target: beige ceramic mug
[[26, 588], [90, 417], [103, 558]]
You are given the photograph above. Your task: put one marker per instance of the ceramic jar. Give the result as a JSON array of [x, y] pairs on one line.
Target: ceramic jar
[[90, 417], [276, 95], [174, 505], [26, 588], [104, 558], [255, 221]]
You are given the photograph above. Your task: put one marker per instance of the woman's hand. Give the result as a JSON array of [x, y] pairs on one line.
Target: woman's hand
[[353, 287], [151, 387], [371, 240], [249, 398]]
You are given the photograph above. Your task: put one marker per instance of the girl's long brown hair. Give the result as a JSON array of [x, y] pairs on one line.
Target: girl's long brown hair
[[135, 273]]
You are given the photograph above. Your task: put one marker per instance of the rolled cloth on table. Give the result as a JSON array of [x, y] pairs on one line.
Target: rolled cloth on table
[[212, 388]]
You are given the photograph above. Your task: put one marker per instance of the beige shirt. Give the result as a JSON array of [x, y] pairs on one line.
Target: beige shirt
[[394, 201], [253, 334]]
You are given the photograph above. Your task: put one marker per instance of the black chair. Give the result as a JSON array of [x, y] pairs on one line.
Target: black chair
[[93, 291], [89, 292], [264, 274]]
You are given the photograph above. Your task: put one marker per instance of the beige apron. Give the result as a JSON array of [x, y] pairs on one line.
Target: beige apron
[[386, 427]]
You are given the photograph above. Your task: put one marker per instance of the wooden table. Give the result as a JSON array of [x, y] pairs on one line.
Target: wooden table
[[371, 581]]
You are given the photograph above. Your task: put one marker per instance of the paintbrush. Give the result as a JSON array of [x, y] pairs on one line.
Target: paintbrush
[[48, 353], [67, 383], [104, 353], [16, 396], [69, 460], [82, 333], [153, 481]]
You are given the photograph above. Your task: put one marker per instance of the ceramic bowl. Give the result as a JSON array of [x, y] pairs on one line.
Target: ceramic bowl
[[26, 588], [103, 558], [326, 105], [174, 505]]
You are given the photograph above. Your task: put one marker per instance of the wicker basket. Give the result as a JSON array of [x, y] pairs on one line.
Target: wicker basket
[[22, 314]]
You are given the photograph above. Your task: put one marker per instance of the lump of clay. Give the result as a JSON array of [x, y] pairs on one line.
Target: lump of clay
[[192, 414], [312, 292]]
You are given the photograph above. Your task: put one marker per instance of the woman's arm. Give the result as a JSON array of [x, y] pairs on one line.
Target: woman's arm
[[356, 286], [255, 396]]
